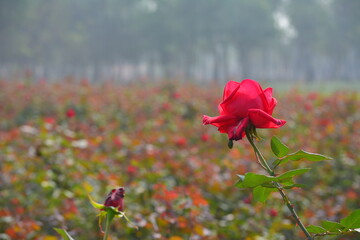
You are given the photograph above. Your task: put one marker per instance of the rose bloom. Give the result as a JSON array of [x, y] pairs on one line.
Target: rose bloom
[[243, 104]]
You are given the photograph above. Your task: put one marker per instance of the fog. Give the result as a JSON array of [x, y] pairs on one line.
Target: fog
[[189, 40]]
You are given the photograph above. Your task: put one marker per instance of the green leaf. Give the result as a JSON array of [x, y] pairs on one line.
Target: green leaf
[[301, 154], [95, 204], [291, 174], [332, 226], [352, 221], [64, 234], [316, 229], [260, 194], [278, 148], [253, 180], [268, 185], [239, 184]]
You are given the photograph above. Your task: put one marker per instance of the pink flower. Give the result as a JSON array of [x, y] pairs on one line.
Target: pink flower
[[243, 104]]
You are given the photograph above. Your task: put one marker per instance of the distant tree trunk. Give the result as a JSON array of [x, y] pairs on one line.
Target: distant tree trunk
[[305, 63], [244, 61], [189, 64], [225, 58], [308, 66], [216, 66]]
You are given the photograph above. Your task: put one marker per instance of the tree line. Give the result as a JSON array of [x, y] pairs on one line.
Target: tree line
[[309, 40]]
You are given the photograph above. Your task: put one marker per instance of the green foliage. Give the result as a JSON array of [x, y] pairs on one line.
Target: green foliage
[[332, 226], [96, 205], [260, 194], [281, 151], [263, 185], [352, 221], [315, 229], [251, 180], [278, 148], [301, 154], [348, 224], [290, 174]]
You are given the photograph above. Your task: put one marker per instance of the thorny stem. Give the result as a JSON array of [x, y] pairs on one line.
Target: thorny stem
[[271, 172]]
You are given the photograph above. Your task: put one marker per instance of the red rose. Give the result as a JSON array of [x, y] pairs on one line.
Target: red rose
[[243, 104], [116, 199]]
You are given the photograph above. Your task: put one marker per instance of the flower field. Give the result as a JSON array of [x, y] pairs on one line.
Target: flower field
[[61, 142]]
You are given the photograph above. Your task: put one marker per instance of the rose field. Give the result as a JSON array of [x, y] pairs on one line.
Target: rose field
[[63, 142]]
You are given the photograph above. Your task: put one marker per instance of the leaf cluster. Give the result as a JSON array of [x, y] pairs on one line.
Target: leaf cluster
[[263, 185], [349, 224]]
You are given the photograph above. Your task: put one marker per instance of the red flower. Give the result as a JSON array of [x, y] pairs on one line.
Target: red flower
[[116, 199], [70, 113], [50, 120], [117, 141], [132, 170], [180, 141], [243, 104], [273, 212], [205, 137]]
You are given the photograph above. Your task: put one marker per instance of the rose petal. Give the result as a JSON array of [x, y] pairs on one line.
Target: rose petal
[[270, 100], [248, 95], [219, 120], [230, 89], [261, 119], [240, 129]]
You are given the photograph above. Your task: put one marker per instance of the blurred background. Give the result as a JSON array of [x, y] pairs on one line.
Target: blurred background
[[202, 40], [97, 94]]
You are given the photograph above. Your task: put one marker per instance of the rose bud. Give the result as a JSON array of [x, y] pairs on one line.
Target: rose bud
[[116, 199]]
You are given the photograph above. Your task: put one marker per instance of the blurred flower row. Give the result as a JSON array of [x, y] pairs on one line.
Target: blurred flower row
[[61, 141]]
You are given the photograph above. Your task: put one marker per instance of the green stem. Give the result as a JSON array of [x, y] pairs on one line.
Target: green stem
[[266, 166], [258, 154], [109, 218], [292, 210]]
